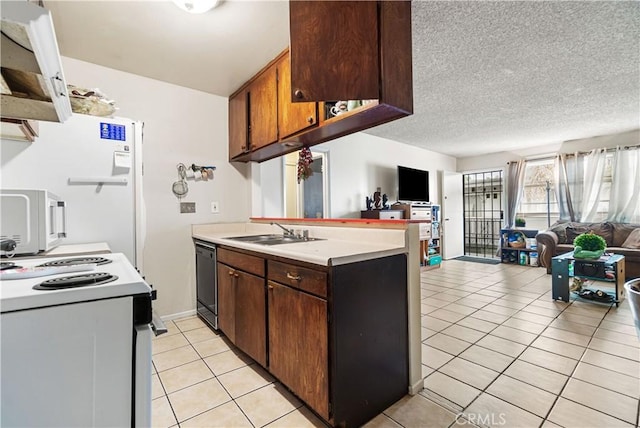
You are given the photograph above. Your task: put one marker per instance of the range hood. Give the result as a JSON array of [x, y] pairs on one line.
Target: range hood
[[33, 85]]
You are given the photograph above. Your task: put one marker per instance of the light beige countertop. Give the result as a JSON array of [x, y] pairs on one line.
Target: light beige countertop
[[336, 245]]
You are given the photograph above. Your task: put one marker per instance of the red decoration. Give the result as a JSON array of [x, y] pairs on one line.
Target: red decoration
[[304, 164]]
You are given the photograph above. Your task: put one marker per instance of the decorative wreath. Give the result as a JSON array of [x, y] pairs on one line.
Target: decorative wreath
[[304, 164]]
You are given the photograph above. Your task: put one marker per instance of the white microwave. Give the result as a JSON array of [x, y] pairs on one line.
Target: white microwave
[[34, 219]]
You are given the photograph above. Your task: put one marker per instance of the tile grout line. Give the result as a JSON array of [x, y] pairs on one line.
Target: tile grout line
[[544, 419], [574, 370]]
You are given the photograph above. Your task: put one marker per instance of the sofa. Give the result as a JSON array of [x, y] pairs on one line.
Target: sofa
[[621, 238]]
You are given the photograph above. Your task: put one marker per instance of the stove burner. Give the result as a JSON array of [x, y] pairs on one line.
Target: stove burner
[[8, 265], [75, 281], [78, 261]]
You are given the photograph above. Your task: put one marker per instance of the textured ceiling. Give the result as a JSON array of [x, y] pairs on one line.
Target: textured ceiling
[[488, 76], [495, 76]]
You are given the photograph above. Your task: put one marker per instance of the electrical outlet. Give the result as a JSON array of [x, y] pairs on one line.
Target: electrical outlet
[[187, 207], [215, 207]]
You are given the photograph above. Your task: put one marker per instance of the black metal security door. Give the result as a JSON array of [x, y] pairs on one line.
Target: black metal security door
[[482, 205]]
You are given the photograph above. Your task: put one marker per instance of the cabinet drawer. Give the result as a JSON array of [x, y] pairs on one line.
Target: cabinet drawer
[[391, 214], [309, 280], [245, 262]]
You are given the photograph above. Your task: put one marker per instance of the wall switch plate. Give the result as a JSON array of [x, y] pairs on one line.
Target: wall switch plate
[[215, 207], [187, 207]]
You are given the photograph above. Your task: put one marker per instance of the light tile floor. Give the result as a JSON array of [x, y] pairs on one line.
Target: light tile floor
[[497, 351]]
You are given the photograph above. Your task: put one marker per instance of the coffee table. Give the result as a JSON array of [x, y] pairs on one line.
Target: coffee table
[[608, 269]]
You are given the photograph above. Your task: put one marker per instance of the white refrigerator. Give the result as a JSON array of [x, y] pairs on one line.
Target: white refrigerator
[[94, 164]]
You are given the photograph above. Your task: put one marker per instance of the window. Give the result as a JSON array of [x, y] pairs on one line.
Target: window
[[533, 202]]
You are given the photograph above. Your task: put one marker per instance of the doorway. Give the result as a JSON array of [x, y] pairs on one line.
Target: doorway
[[309, 198], [482, 207]]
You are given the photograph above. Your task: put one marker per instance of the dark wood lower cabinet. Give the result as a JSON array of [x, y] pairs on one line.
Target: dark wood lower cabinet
[[251, 330], [226, 301], [298, 344], [242, 311], [336, 336]]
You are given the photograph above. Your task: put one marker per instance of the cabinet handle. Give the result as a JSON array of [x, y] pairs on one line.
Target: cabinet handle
[[310, 120], [298, 93], [236, 275], [293, 277], [230, 273], [270, 287], [243, 148]]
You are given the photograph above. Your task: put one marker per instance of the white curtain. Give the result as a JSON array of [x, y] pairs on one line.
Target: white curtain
[[579, 183], [594, 164], [515, 185], [624, 201], [567, 170]]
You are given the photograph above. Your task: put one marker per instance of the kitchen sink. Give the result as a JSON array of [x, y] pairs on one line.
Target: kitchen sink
[[272, 239]]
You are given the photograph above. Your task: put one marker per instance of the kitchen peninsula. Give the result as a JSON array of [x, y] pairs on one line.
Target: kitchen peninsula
[[335, 318]]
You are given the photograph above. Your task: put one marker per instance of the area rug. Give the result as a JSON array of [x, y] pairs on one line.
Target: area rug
[[478, 260]]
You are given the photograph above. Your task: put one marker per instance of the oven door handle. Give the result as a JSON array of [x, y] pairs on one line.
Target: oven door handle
[[157, 324]]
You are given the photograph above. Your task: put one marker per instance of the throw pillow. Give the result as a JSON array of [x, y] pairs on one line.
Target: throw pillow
[[633, 240], [603, 229], [572, 232], [560, 229]]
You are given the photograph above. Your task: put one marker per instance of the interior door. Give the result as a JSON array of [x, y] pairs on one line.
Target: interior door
[[452, 215]]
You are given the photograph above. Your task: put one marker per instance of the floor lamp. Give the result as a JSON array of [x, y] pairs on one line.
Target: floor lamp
[[548, 205]]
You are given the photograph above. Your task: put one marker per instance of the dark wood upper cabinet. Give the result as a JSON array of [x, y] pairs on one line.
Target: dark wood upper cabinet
[[238, 124], [334, 50], [292, 117], [263, 109], [340, 50]]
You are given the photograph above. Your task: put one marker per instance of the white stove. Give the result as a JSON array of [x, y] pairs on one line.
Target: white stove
[[79, 355], [19, 294]]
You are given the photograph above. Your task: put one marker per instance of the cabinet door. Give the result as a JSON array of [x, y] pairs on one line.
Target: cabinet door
[[250, 329], [334, 50], [298, 344], [263, 110], [238, 124], [227, 301], [292, 117]]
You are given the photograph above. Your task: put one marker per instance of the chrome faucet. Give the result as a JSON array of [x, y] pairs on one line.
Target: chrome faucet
[[287, 232]]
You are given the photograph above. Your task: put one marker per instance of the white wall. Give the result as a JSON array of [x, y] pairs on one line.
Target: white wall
[[358, 164], [180, 125], [499, 160]]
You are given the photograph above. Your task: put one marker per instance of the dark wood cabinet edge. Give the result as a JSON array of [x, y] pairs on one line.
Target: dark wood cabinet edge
[[276, 258], [271, 63], [396, 73], [368, 118]]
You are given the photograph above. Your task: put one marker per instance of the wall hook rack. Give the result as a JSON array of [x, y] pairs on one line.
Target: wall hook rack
[[197, 172]]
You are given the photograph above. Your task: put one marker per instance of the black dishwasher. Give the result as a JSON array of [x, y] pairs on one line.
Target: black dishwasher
[[206, 283]]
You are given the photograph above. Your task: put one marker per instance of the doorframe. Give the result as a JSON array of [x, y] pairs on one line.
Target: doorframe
[[326, 189], [502, 170]]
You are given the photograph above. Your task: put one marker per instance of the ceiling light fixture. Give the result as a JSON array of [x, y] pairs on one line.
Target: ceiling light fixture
[[196, 6]]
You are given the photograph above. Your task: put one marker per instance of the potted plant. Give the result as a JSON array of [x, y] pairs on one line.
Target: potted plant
[[588, 246], [520, 222]]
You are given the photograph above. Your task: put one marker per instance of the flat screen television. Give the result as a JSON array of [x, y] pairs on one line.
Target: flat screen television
[[413, 185]]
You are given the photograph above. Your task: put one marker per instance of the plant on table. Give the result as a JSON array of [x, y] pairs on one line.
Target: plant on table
[[588, 246]]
